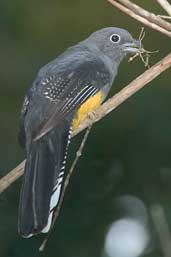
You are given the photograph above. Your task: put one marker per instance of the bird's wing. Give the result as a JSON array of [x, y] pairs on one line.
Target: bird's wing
[[65, 93]]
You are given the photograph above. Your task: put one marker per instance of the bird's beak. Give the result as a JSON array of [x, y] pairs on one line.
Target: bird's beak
[[132, 47]]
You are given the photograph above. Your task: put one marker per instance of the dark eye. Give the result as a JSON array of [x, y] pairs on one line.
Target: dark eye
[[115, 38]]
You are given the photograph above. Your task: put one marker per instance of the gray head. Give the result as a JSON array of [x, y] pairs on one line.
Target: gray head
[[116, 43]]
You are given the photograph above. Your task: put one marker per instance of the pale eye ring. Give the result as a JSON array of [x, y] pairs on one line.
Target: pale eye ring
[[115, 38]]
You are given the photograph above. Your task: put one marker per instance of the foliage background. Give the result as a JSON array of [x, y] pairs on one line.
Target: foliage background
[[128, 152]]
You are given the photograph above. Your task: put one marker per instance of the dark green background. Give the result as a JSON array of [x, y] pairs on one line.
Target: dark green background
[[128, 152]]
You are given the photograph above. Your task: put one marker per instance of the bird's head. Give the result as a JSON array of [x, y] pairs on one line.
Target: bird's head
[[114, 42]]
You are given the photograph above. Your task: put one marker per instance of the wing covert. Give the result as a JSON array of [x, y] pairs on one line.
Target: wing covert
[[63, 92]]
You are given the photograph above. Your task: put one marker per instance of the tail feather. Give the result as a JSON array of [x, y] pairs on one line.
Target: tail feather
[[43, 177]]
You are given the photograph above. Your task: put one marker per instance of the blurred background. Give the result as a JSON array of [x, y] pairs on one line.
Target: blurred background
[[118, 202]]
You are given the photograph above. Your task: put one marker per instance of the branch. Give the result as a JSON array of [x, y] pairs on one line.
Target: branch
[[11, 177], [165, 17], [146, 14], [166, 6], [103, 110], [148, 19]]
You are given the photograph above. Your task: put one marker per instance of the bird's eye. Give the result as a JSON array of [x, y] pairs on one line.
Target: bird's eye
[[115, 38]]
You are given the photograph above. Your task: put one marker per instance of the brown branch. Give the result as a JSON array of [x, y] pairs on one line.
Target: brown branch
[[57, 211], [146, 14], [142, 16], [102, 111], [165, 5], [165, 17], [11, 177]]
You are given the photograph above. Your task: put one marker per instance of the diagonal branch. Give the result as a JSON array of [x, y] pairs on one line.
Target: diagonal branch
[[148, 19], [11, 177], [103, 110], [166, 6], [146, 14]]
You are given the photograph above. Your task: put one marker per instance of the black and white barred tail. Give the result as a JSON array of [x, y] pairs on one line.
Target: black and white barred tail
[[42, 182]]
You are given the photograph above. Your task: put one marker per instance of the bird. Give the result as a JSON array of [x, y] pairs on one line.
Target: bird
[[64, 91]]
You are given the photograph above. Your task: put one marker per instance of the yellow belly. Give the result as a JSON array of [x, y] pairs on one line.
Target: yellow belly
[[91, 104]]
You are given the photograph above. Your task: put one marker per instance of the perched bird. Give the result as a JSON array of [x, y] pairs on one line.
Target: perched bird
[[64, 91]]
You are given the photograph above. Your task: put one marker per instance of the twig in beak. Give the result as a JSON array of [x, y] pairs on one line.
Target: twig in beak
[[143, 53]]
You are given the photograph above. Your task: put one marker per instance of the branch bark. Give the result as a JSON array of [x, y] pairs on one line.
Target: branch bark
[[146, 14], [11, 177], [165, 5], [103, 110], [148, 19]]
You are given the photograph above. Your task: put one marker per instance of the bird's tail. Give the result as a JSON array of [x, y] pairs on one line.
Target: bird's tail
[[43, 176]]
